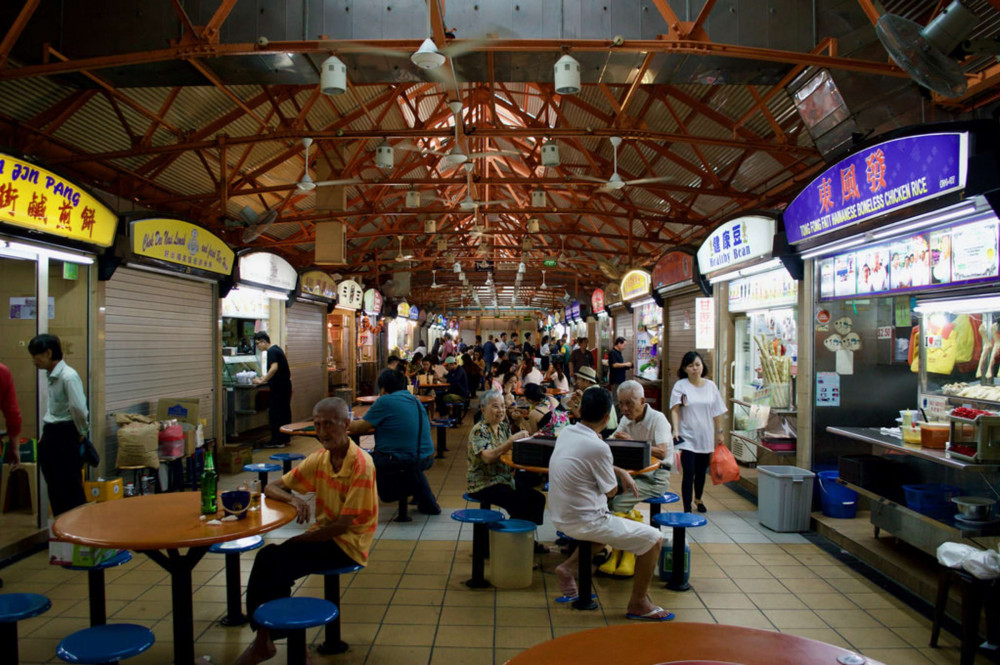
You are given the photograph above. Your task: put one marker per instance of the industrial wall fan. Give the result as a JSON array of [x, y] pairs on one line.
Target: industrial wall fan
[[257, 224]]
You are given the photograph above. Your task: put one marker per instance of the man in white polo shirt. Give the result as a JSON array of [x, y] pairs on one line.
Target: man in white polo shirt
[[582, 477]]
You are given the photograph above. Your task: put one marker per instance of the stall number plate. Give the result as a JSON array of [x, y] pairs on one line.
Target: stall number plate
[[884, 332]]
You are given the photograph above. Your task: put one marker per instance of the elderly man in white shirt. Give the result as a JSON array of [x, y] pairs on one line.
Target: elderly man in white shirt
[[65, 425], [582, 477]]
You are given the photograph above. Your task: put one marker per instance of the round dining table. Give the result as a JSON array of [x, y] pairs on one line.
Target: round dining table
[[159, 526], [370, 399], [681, 643]]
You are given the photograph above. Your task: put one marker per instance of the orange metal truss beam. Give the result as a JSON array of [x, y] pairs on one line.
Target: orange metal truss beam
[[217, 82], [211, 31], [185, 19], [870, 10], [16, 28]]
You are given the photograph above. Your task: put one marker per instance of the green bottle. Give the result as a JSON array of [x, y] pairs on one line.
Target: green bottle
[[209, 483]]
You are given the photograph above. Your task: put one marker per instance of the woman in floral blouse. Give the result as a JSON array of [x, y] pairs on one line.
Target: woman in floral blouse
[[489, 479]]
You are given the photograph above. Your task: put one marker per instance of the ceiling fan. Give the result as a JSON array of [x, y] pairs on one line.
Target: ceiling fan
[[257, 224], [543, 284], [434, 284], [307, 184], [615, 182], [401, 257], [456, 156], [470, 203]]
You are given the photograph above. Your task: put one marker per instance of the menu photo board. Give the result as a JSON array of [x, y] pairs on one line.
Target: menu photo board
[[774, 288], [960, 254]]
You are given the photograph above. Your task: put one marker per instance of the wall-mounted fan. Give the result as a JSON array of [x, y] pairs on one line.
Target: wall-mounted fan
[[257, 224]]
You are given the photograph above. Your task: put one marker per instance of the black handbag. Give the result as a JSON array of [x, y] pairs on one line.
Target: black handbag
[[88, 453]]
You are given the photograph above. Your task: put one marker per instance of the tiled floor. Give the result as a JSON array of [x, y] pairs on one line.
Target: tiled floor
[[410, 606]]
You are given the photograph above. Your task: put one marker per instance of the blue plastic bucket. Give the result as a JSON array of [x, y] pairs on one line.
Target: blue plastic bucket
[[838, 501]]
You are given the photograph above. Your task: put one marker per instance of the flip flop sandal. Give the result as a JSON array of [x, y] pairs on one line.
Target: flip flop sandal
[[651, 615], [570, 599]]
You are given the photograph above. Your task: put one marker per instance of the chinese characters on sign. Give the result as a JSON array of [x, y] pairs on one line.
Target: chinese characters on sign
[[736, 242], [635, 284], [349, 294], [704, 323], [267, 270], [676, 267], [182, 243], [33, 198], [372, 300], [878, 180], [318, 283], [596, 301]]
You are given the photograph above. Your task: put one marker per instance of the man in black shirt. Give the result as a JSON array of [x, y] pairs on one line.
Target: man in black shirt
[[580, 356], [617, 366], [528, 347], [279, 379]]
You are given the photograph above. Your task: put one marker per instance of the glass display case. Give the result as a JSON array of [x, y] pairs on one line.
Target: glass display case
[[766, 353], [236, 370], [649, 320]]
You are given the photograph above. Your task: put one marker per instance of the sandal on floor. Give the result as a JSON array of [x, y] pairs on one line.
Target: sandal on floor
[[655, 614]]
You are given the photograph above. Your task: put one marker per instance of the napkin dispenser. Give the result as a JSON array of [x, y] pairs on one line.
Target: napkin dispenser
[[630, 455]]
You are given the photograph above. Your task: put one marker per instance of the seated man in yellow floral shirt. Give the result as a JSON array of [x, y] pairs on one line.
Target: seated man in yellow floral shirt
[[490, 479], [343, 477]]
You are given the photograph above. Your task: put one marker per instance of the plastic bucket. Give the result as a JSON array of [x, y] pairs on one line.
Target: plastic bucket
[[667, 561], [838, 501], [512, 553]]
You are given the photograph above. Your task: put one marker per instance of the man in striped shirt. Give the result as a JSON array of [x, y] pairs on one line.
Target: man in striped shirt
[[343, 477]]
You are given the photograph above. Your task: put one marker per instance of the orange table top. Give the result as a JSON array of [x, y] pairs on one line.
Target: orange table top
[[370, 399], [508, 459], [651, 644], [433, 385], [554, 392], [162, 521]]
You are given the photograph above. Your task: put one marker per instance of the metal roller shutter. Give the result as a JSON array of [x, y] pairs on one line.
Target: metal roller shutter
[[625, 327], [306, 353], [158, 343]]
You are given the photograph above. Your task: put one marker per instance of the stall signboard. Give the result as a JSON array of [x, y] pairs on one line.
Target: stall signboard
[[960, 254], [880, 179], [422, 317], [574, 311], [674, 268], [597, 301], [349, 294], [453, 324], [318, 283], [774, 288], [372, 302], [403, 310], [414, 313], [736, 242], [181, 243], [704, 323], [267, 270], [36, 199], [635, 284]]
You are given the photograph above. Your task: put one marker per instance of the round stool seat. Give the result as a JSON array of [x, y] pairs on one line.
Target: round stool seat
[[286, 457], [443, 422], [470, 499], [239, 545], [262, 467], [665, 498], [295, 613], [680, 520], [477, 516], [346, 570], [18, 606], [105, 644], [117, 560]]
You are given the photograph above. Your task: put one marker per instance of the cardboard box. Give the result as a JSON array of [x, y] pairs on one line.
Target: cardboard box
[[103, 490], [193, 439], [230, 459], [181, 409]]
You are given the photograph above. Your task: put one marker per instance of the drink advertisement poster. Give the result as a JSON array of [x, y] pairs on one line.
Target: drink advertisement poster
[[845, 275], [975, 251]]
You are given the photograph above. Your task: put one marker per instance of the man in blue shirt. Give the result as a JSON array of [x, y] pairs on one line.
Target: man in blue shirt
[[403, 445], [489, 351]]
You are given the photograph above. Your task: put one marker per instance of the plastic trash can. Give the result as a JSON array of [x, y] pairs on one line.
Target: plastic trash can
[[838, 501], [784, 497], [667, 560], [512, 553]]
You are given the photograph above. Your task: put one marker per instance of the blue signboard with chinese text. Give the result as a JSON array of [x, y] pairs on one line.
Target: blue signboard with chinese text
[[878, 180]]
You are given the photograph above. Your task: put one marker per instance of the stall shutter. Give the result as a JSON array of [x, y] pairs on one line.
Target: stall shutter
[[158, 343], [625, 327], [306, 353], [680, 325]]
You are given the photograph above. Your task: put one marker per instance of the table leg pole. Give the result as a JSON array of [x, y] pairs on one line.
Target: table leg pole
[[333, 643], [234, 610], [480, 532], [585, 577], [8, 637], [98, 614], [654, 510], [262, 475], [297, 647], [441, 441], [180, 567], [677, 582], [286, 466]]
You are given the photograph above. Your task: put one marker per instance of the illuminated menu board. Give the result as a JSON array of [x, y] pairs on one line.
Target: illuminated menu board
[[962, 254]]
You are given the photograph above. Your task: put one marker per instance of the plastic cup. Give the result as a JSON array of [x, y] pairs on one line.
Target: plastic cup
[[907, 417]]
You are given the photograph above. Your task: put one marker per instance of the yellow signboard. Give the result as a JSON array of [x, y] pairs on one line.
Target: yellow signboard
[[33, 198], [182, 243], [403, 310], [635, 284], [318, 283]]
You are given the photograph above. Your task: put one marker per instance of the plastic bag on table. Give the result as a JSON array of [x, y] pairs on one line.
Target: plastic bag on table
[[982, 564]]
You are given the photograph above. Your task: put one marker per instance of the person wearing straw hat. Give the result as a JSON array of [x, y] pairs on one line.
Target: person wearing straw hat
[[585, 379]]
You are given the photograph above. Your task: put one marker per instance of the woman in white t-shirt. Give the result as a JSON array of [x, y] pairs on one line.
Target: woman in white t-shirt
[[696, 413]]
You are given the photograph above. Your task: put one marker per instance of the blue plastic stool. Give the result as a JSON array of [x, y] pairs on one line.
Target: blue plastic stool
[[294, 615], [483, 505], [656, 501], [332, 642], [16, 607], [286, 460], [442, 425], [234, 590], [261, 469], [480, 520], [105, 644], [679, 522], [95, 583]]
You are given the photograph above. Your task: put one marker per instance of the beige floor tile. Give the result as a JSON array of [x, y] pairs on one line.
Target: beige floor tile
[[722, 548], [920, 636], [204, 594], [746, 618], [852, 586], [428, 568], [796, 572], [816, 558], [56, 628], [418, 597], [459, 656], [726, 560], [465, 636], [721, 585], [467, 616], [358, 613], [567, 630], [161, 652], [522, 616], [355, 634], [811, 586], [37, 650], [872, 638], [777, 601], [563, 618], [398, 655], [501, 656], [385, 567], [875, 600], [367, 596], [846, 618], [834, 572], [762, 548], [898, 656], [518, 598], [399, 555], [769, 560], [521, 637], [692, 615], [705, 569], [674, 599], [900, 618], [140, 611], [377, 581], [749, 572], [826, 601], [411, 581], [783, 619], [727, 601], [828, 635], [405, 635], [764, 585], [469, 597]]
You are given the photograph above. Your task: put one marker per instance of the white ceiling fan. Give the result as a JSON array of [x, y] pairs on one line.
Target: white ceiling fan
[[543, 284], [456, 156], [469, 202], [615, 182], [401, 257], [434, 284], [307, 184]]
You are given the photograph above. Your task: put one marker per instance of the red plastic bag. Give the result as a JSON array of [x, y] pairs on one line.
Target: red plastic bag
[[723, 466]]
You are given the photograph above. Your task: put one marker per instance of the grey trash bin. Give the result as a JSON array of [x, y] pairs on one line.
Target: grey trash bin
[[784, 497]]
